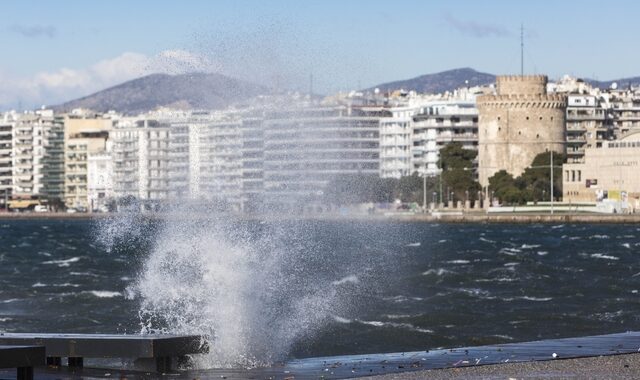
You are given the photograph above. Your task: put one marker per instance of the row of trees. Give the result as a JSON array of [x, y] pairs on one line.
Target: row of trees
[[456, 182], [457, 178], [533, 185]]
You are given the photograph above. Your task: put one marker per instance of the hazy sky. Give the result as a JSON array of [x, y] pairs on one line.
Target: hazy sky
[[57, 50]]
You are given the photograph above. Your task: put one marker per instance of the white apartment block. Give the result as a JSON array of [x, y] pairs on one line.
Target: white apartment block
[[38, 158], [99, 180], [7, 123], [141, 160], [395, 142], [439, 124], [304, 149]]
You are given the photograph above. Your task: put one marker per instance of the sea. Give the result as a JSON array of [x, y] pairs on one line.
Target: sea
[[402, 286]]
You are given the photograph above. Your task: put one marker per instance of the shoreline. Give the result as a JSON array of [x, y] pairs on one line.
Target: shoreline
[[471, 218]]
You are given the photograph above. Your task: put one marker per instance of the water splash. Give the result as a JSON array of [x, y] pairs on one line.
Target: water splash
[[254, 290]]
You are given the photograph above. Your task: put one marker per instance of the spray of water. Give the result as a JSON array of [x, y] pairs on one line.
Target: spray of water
[[253, 289]]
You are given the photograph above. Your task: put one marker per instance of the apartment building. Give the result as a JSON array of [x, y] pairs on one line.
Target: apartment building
[[304, 149], [7, 124], [85, 135], [141, 160], [437, 125], [38, 159]]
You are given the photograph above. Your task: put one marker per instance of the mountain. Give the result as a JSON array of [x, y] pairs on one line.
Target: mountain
[[440, 82], [621, 83], [196, 90]]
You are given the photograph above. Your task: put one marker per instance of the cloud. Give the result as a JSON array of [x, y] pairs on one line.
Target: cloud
[[53, 87], [34, 31], [475, 29]]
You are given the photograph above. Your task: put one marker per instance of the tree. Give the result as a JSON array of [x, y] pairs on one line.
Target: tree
[[457, 170], [505, 188], [536, 177], [532, 184]]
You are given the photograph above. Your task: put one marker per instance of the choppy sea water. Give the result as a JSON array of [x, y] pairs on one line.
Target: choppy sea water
[[411, 286]]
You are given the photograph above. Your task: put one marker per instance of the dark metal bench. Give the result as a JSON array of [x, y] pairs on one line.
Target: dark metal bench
[[160, 349], [23, 358]]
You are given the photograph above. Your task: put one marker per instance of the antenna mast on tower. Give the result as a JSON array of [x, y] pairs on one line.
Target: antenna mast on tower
[[521, 49]]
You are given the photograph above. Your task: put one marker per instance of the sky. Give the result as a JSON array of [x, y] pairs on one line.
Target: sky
[[53, 51]]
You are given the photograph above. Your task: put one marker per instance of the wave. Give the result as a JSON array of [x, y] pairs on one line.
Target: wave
[[87, 274], [530, 246], [11, 300], [542, 253], [486, 240], [63, 285], [353, 279], [7, 319], [63, 263], [605, 257], [341, 320], [527, 298], [626, 245], [599, 237], [103, 293], [401, 299], [437, 272], [413, 244], [458, 262], [510, 251], [498, 279], [407, 326]]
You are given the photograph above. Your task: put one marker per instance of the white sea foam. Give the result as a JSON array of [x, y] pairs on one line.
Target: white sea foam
[[542, 253], [63, 263], [437, 272], [529, 246], [407, 326], [458, 262], [510, 251], [103, 293], [341, 320], [413, 244], [603, 256], [38, 285], [600, 237], [6, 319], [626, 245], [527, 298], [351, 279], [486, 240], [10, 300]]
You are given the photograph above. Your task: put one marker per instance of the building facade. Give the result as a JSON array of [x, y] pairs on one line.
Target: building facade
[[85, 135], [37, 160], [438, 125], [608, 172], [141, 160]]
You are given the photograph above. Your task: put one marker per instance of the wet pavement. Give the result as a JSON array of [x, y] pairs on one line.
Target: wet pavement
[[546, 359]]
